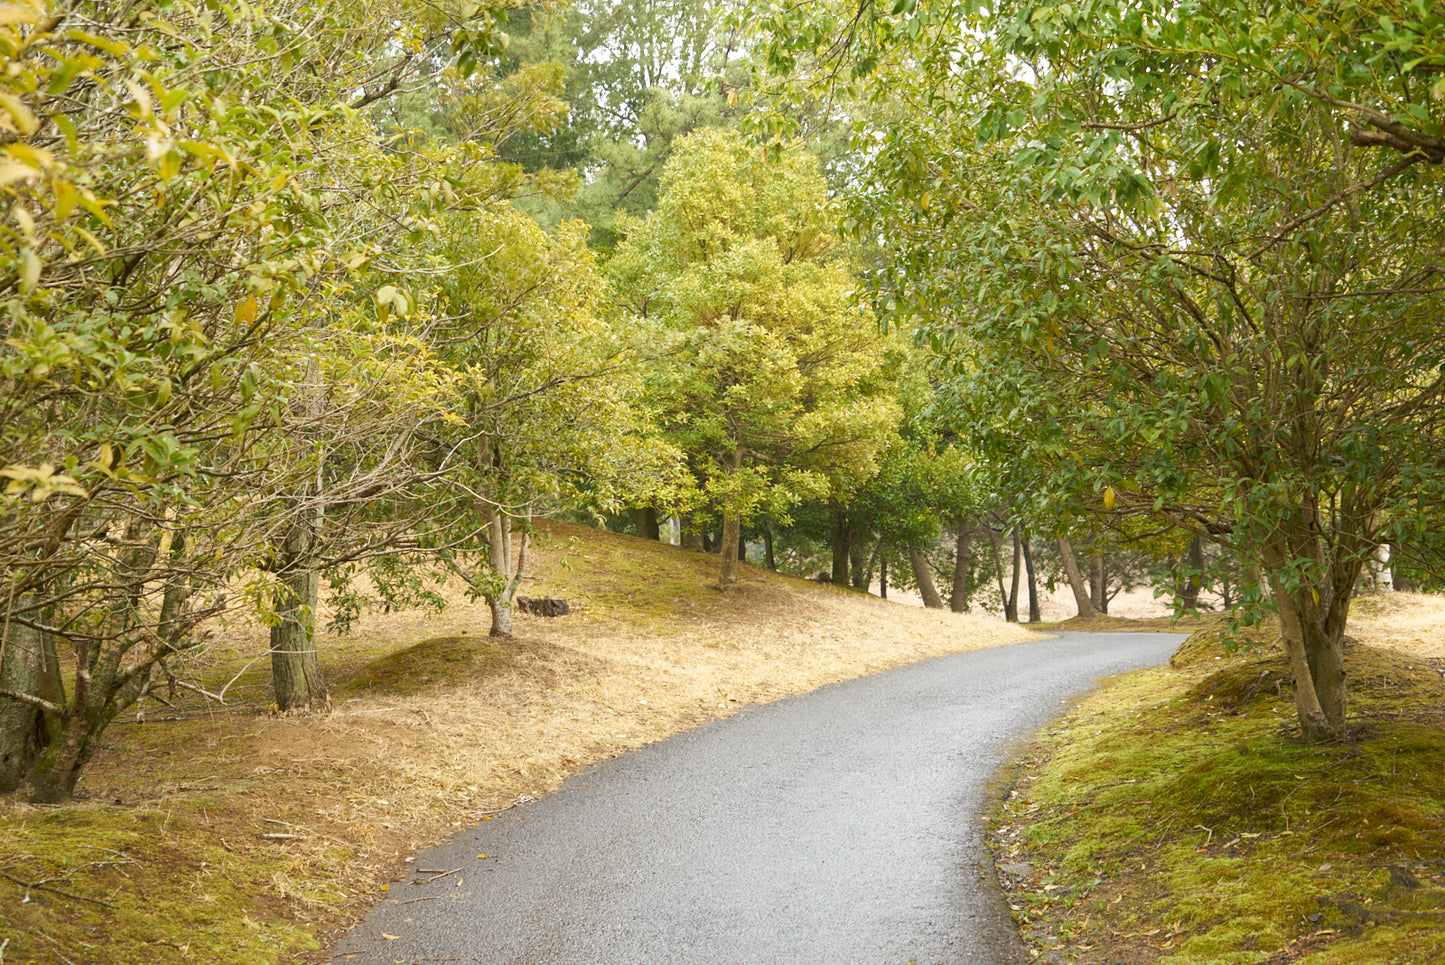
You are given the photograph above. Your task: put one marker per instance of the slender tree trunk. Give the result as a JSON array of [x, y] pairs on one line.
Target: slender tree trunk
[[1011, 609], [841, 539], [994, 540], [1194, 581], [1076, 580], [1098, 588], [505, 577], [1035, 615], [923, 574], [883, 577], [865, 582], [958, 595], [768, 558], [644, 519]]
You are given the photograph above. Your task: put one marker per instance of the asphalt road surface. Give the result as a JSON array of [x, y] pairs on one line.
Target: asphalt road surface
[[836, 828]]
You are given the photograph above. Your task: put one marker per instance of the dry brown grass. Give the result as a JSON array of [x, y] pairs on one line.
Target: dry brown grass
[[653, 649], [1412, 623]]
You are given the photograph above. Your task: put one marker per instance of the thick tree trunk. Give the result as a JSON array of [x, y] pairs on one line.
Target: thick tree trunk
[[644, 520], [958, 595], [1035, 614], [728, 571], [1312, 624], [1076, 580], [295, 670], [1098, 585], [22, 666], [841, 539], [923, 575]]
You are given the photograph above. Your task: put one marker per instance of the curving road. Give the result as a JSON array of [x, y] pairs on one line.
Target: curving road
[[837, 828]]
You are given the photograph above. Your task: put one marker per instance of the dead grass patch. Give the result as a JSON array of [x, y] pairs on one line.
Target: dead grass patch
[[249, 838]]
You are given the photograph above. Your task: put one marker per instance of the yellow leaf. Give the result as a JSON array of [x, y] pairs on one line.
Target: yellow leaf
[[35, 157], [24, 120], [29, 271], [11, 172], [65, 197], [1316, 594], [390, 938], [246, 311], [1109, 497], [10, 13]]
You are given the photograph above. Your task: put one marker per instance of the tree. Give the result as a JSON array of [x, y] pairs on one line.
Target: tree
[[770, 380], [173, 176], [1182, 232]]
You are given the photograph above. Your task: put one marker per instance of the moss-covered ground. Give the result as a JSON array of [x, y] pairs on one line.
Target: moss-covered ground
[[1177, 817]]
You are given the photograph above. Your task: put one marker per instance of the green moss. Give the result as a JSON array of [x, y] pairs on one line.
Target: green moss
[[134, 887], [437, 662], [1185, 796]]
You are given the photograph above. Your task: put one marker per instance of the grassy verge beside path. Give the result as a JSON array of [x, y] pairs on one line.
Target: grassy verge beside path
[[1176, 817], [229, 836]]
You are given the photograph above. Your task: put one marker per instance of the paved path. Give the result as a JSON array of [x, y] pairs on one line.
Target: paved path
[[836, 828]]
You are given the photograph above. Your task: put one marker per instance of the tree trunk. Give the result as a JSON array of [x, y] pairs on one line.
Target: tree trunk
[[841, 539], [958, 595], [1098, 590], [1035, 615], [644, 520], [923, 574], [1312, 623], [505, 578], [768, 558], [1382, 579], [692, 534], [873, 559], [1076, 580], [1011, 609], [22, 665], [1194, 581], [295, 670], [728, 571], [883, 577]]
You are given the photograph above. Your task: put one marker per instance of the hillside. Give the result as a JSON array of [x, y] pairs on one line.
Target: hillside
[[228, 834]]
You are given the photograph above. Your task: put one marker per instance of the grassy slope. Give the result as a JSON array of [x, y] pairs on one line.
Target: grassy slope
[[229, 835], [1176, 817]]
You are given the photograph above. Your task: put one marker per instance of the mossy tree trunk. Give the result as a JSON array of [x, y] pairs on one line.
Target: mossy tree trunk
[[295, 667], [22, 672]]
